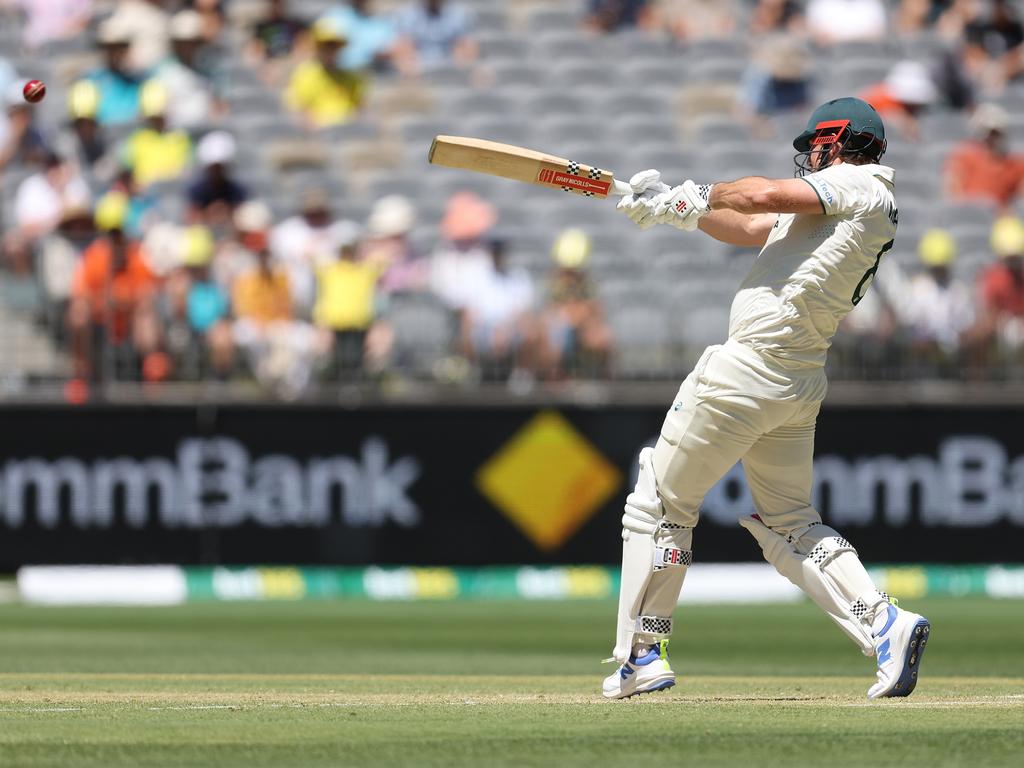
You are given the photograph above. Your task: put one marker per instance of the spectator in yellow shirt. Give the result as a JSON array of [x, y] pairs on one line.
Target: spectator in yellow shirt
[[153, 153], [262, 295], [346, 299], [321, 91]]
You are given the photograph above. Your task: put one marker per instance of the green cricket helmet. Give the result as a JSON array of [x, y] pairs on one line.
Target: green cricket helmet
[[851, 123]]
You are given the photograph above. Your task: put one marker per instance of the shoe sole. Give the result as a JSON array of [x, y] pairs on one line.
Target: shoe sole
[[657, 685], [907, 681]]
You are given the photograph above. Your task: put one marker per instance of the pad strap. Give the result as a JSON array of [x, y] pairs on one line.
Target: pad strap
[[861, 608], [828, 549]]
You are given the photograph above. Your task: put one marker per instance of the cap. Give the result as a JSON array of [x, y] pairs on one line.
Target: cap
[[391, 215], [861, 116], [1008, 237], [153, 98], [83, 100], [197, 246], [910, 83], [216, 148], [571, 248], [936, 248], [186, 25], [111, 211], [467, 217], [253, 216], [329, 29], [989, 117], [113, 32], [344, 233]]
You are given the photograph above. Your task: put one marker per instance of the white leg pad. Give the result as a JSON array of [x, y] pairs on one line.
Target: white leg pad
[[655, 555], [826, 567]]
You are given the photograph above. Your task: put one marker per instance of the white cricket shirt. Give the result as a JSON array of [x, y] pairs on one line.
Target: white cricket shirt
[[815, 268]]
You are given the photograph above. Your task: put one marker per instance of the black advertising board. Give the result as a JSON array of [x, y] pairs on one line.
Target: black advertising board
[[467, 486]]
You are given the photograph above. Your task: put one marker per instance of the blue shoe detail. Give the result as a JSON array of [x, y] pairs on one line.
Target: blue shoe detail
[[883, 653], [914, 650], [626, 671], [891, 609], [647, 658]]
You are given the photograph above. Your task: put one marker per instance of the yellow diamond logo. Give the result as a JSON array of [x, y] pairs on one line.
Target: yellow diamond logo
[[548, 480]]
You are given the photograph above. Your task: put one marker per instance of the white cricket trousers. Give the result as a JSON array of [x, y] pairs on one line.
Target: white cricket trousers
[[734, 406]]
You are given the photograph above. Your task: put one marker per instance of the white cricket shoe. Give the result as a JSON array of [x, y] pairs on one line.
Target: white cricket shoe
[[645, 674], [899, 645]]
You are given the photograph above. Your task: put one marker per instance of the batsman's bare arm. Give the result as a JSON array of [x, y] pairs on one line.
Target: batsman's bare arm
[[743, 212]]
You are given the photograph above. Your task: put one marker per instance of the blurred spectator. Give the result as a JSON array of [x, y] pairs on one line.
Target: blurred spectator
[[577, 338], [39, 203], [192, 100], [994, 34], [301, 243], [387, 242], [609, 15], [776, 16], [145, 23], [346, 300], [689, 20], [111, 298], [279, 32], [433, 33], [915, 16], [372, 37], [843, 21], [84, 139], [277, 40], [48, 20], [213, 15], [58, 258], [936, 309], [261, 295], [21, 141], [215, 193], [237, 254], [320, 90], [1002, 286], [153, 152], [982, 167], [280, 349], [462, 258], [778, 78], [498, 329], [907, 91], [117, 82], [206, 303]]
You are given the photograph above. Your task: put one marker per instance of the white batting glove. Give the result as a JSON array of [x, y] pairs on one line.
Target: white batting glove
[[645, 185], [682, 207]]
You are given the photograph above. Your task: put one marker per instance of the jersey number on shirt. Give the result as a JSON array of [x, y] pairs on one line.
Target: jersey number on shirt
[[862, 286]]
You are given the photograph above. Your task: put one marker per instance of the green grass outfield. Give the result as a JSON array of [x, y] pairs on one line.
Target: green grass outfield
[[491, 684]]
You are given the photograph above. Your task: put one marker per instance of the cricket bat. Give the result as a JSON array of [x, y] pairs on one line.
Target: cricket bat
[[526, 165]]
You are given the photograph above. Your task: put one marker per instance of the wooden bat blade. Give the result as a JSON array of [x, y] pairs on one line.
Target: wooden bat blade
[[525, 165]]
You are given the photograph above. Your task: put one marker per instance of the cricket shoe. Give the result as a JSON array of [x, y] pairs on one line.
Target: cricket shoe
[[643, 674], [899, 646]]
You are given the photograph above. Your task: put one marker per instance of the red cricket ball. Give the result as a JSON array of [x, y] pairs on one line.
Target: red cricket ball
[[34, 91]]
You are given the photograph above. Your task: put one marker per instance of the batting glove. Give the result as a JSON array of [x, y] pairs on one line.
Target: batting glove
[[645, 185], [682, 207]]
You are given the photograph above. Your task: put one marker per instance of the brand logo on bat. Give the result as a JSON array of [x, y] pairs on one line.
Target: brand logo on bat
[[580, 183]]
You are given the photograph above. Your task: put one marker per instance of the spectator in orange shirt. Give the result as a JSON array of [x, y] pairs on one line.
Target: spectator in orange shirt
[[112, 298], [1002, 286], [982, 168], [907, 91]]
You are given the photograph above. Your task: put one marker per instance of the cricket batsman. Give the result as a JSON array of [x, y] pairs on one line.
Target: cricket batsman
[[756, 397]]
